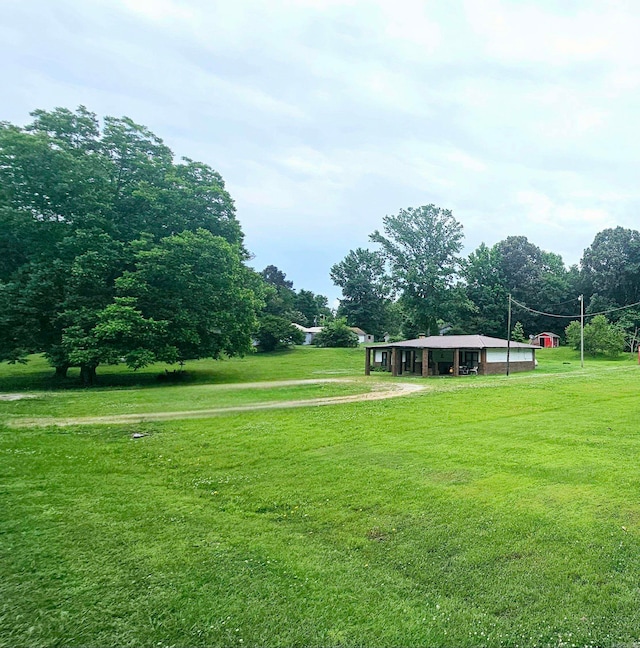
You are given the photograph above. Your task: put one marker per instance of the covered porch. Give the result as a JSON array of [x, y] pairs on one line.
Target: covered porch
[[425, 361]]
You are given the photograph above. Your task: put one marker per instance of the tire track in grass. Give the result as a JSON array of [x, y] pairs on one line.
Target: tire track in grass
[[379, 391]]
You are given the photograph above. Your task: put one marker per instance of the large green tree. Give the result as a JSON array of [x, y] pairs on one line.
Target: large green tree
[[486, 288], [100, 230], [365, 290], [281, 300], [611, 268], [422, 246], [535, 278]]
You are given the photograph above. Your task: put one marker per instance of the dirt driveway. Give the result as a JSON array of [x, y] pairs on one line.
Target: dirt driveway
[[379, 391]]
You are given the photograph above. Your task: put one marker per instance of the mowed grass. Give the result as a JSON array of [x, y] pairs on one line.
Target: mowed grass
[[112, 402], [486, 511], [297, 364]]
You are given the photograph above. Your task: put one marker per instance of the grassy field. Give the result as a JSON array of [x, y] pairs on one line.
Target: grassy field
[[486, 511]]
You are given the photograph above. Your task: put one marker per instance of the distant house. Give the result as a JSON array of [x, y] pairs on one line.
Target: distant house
[[363, 338], [311, 331], [450, 355], [546, 340]]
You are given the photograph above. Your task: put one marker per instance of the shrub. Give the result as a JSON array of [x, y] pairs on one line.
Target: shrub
[[336, 334], [277, 333], [599, 337]]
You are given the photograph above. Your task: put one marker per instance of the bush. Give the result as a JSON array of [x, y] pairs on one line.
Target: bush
[[277, 333], [599, 337], [336, 334]]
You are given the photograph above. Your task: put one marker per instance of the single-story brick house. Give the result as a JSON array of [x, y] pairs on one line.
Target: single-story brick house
[[546, 340], [450, 355]]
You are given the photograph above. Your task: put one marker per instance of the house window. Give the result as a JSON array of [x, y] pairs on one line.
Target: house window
[[470, 358]]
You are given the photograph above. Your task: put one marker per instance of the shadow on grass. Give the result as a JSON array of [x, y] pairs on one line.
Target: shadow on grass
[[38, 375]]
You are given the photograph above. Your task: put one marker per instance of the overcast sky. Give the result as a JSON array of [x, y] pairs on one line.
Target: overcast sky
[[522, 117]]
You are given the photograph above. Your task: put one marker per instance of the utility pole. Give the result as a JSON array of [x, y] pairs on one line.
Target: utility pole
[[581, 300], [509, 335]]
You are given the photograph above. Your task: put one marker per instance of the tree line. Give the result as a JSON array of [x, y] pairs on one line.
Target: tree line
[[416, 281], [111, 251]]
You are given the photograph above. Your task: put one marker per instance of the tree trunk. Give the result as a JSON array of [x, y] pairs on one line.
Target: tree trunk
[[61, 372], [88, 375]]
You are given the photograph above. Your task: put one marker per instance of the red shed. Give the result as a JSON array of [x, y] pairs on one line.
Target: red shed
[[546, 340]]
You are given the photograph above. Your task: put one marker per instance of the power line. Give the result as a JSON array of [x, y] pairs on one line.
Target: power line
[[612, 310], [604, 312], [532, 310], [569, 301]]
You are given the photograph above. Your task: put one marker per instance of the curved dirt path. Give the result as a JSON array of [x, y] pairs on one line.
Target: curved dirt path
[[379, 391]]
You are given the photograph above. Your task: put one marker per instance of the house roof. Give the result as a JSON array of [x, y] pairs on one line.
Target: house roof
[[459, 342], [308, 329], [357, 330], [547, 333]]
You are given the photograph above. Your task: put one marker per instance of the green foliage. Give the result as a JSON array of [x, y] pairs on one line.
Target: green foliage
[[485, 288], [629, 321], [313, 308], [573, 334], [517, 335], [277, 333], [422, 246], [611, 266], [534, 277], [279, 295], [110, 250], [196, 283], [336, 334], [600, 337], [281, 300], [365, 289]]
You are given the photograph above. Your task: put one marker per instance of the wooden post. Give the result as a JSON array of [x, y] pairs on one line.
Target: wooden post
[[456, 362], [425, 363], [483, 361], [367, 361], [394, 364]]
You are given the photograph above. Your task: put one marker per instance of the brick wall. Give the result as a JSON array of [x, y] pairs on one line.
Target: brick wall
[[495, 368]]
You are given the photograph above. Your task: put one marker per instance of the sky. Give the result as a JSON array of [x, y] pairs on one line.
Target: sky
[[323, 116]]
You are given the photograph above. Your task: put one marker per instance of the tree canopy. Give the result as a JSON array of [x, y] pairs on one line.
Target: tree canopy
[[302, 307], [111, 250], [611, 268], [366, 290], [422, 247]]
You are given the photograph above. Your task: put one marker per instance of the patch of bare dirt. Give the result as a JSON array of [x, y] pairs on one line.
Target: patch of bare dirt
[[16, 397], [379, 391]]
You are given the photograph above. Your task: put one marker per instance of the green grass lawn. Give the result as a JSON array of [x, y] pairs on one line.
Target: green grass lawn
[[487, 511], [301, 363], [108, 402]]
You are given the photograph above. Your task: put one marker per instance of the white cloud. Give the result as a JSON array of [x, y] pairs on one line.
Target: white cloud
[[540, 209], [325, 115], [159, 10]]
